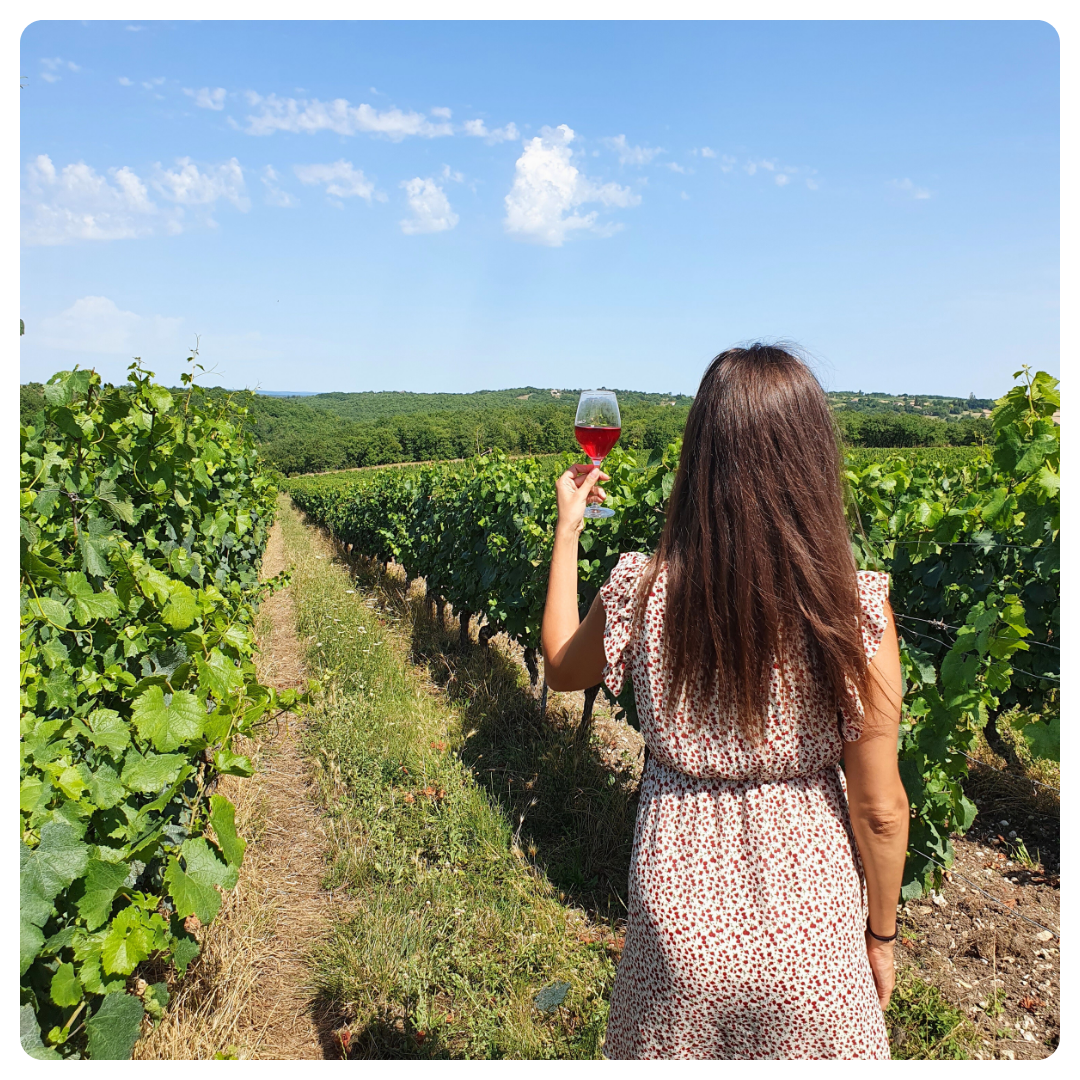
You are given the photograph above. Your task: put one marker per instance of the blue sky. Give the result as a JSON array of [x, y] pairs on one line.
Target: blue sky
[[463, 206]]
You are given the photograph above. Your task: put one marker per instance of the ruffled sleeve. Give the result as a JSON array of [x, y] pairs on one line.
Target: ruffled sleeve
[[618, 595], [873, 592]]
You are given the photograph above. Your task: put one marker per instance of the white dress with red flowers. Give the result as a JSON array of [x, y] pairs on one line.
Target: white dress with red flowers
[[747, 904]]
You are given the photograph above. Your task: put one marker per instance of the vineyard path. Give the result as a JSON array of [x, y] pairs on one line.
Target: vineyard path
[[287, 853]]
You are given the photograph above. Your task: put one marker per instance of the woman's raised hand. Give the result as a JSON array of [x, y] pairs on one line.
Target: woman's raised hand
[[574, 490]]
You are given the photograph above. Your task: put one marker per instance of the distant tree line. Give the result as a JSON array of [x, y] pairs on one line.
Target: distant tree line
[[297, 437], [550, 429], [543, 429], [898, 429]]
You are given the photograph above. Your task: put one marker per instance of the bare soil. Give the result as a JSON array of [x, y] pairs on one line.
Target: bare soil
[[988, 940]]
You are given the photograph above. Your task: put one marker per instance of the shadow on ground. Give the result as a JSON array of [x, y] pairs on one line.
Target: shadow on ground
[[572, 814]]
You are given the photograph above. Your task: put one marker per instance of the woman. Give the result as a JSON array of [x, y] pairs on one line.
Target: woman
[[762, 893]]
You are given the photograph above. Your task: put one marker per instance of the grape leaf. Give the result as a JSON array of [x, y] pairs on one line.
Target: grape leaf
[[30, 1036], [551, 997], [128, 942], [57, 861], [167, 726], [192, 887], [225, 761], [31, 940], [94, 544], [150, 773], [102, 882], [65, 988], [1044, 738], [113, 1030], [90, 605], [219, 675], [184, 951], [223, 820], [182, 609], [105, 787], [44, 607], [108, 731]]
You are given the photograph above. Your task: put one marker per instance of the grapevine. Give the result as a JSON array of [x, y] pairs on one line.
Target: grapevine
[[143, 517], [970, 541]]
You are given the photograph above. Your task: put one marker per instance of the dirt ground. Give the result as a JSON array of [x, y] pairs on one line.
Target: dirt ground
[[994, 953]]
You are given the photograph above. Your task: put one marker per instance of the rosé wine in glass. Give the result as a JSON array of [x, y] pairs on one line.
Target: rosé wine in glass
[[597, 427]]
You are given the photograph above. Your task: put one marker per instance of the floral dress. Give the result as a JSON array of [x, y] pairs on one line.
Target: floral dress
[[745, 928]]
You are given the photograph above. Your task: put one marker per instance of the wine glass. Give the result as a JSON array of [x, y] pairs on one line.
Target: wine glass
[[596, 428]]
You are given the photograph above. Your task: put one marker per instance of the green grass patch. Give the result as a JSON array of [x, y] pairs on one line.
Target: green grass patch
[[450, 934], [924, 1026]]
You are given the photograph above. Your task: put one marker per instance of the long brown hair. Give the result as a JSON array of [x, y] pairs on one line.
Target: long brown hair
[[756, 542]]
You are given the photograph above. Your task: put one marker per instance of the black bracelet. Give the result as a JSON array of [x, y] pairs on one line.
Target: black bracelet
[[878, 937]]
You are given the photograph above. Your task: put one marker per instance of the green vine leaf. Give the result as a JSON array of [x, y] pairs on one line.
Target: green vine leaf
[[112, 1031], [168, 725], [103, 881], [223, 822], [192, 886]]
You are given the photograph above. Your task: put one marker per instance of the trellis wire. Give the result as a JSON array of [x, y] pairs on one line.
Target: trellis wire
[[966, 543], [1022, 671], [971, 884], [949, 626]]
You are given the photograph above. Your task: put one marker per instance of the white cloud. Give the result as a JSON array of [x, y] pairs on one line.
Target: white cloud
[[683, 195], [727, 163], [94, 324], [430, 207], [55, 64], [675, 167], [133, 29], [452, 174], [752, 166], [125, 81], [304, 115], [340, 179], [811, 183], [479, 130], [78, 203], [149, 84], [190, 186], [909, 188], [631, 155], [782, 179], [443, 111], [275, 196], [707, 151], [207, 98], [541, 205]]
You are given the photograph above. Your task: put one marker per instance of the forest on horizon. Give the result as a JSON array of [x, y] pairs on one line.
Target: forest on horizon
[[320, 432]]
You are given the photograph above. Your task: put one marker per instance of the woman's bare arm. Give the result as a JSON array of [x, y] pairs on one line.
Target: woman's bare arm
[[878, 803], [573, 650]]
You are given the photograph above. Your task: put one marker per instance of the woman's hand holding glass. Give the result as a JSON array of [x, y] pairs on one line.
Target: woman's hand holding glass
[[574, 490]]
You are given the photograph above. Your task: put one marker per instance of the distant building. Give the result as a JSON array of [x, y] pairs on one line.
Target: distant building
[[556, 393]]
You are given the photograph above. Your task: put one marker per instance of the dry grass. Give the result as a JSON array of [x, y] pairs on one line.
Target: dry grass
[[249, 994]]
